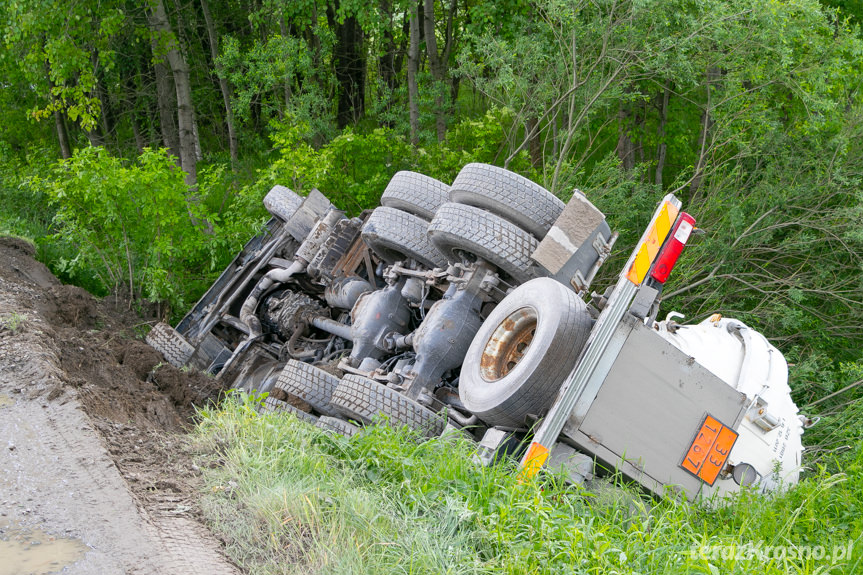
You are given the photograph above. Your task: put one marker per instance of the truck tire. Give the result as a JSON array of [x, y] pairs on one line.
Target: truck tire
[[273, 405], [282, 202], [415, 194], [168, 341], [337, 425], [311, 384], [523, 353], [362, 399], [457, 229], [395, 235], [507, 195]]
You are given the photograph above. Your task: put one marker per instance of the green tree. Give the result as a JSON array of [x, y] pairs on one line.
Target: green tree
[[63, 50]]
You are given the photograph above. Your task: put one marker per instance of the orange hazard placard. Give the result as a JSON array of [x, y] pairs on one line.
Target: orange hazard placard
[[709, 450]]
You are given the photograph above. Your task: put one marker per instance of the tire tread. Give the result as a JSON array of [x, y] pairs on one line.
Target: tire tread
[[282, 202], [395, 235], [509, 195], [362, 399], [337, 425], [273, 405], [168, 341], [416, 194], [490, 237], [311, 384]]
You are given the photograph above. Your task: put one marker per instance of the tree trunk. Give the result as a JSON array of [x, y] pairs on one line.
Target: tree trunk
[[98, 134], [438, 62], [535, 146], [704, 135], [640, 119], [140, 143], [413, 68], [138, 110], [223, 83], [387, 62], [402, 49], [106, 116], [167, 99], [166, 38], [62, 135], [283, 28], [625, 147], [350, 65], [435, 66], [455, 83], [199, 153], [660, 132], [317, 76], [95, 137], [59, 120]]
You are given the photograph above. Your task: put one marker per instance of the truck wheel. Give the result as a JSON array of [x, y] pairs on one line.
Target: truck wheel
[[507, 195], [459, 230], [396, 235], [273, 405], [362, 399], [311, 384], [523, 352], [168, 341], [415, 194], [282, 202], [337, 425]]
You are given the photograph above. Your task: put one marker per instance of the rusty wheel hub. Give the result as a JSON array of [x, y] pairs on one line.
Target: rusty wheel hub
[[508, 344]]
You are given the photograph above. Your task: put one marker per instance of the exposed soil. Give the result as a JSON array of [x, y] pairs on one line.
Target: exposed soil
[[93, 424]]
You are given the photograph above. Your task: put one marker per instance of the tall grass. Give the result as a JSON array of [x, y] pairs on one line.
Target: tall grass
[[288, 498]]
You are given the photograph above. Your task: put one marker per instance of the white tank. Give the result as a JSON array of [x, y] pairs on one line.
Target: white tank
[[770, 434]]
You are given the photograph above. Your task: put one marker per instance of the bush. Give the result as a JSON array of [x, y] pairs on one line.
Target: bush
[[135, 226]]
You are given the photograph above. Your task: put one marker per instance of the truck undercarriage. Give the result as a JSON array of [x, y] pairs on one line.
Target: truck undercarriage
[[463, 307]]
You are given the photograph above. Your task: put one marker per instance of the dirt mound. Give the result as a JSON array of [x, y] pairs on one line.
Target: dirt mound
[[20, 266], [98, 342], [71, 306], [61, 343], [183, 387]]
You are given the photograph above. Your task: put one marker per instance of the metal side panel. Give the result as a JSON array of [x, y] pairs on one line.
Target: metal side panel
[[191, 326], [649, 409]]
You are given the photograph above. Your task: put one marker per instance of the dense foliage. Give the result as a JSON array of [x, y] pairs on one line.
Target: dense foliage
[[138, 138]]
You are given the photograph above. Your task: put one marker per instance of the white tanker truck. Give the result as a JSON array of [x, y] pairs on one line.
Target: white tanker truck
[[464, 307]]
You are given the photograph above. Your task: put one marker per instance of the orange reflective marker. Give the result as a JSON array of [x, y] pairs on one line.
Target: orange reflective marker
[[653, 239], [533, 461], [709, 450]]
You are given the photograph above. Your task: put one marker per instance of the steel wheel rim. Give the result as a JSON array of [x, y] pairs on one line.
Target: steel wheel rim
[[508, 343]]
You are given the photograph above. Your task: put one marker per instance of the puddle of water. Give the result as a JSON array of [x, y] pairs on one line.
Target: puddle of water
[[34, 552], [5, 400]]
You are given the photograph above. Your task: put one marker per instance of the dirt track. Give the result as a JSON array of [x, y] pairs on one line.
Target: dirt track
[[95, 474]]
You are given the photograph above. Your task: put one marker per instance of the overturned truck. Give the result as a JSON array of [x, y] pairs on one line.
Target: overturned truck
[[464, 307]]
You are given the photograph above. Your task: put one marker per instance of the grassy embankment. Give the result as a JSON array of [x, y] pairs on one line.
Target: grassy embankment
[[289, 498]]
